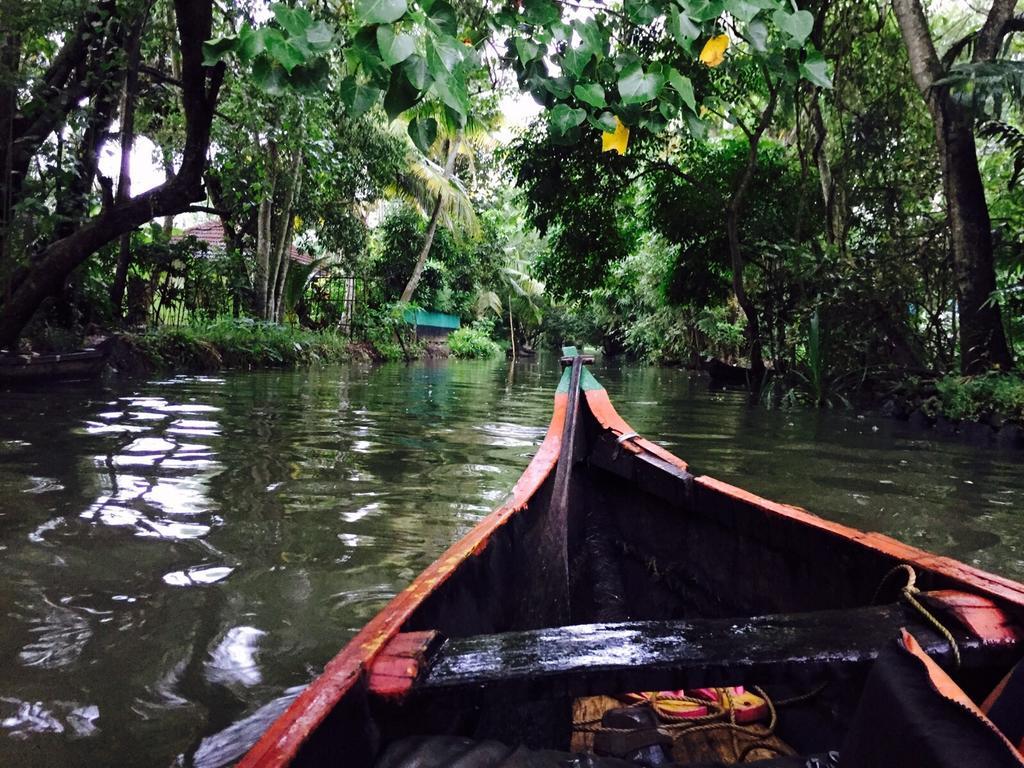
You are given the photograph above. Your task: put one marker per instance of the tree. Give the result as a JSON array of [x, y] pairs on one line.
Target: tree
[[59, 90], [451, 152], [300, 177], [983, 342]]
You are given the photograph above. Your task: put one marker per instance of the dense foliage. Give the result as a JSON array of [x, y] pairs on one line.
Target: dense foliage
[[827, 192]]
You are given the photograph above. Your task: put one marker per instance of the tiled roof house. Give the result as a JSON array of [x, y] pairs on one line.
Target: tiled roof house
[[211, 232]]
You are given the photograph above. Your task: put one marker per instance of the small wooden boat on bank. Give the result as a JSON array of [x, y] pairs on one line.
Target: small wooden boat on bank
[[617, 610], [19, 369]]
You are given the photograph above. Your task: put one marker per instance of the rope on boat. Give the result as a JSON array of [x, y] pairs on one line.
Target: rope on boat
[[909, 593], [713, 720]]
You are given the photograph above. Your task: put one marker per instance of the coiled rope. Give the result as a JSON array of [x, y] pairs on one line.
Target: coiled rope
[[909, 593]]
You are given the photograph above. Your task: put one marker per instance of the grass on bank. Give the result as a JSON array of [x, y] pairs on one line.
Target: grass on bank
[[238, 344]]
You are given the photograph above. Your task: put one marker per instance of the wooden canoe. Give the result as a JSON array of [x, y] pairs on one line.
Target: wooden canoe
[[36, 369], [612, 569]]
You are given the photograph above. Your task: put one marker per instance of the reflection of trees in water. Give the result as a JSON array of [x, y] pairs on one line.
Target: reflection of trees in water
[[157, 484]]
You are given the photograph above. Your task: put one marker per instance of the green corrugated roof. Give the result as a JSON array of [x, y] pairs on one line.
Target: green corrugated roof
[[432, 319]]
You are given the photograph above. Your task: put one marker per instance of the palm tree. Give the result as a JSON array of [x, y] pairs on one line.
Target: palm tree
[[430, 183], [525, 295]]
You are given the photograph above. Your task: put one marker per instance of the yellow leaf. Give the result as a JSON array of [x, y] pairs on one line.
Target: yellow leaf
[[298, 224], [618, 140], [713, 53]]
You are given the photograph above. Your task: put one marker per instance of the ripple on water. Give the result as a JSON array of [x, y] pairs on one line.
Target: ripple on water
[[199, 575], [60, 634], [22, 719], [232, 662], [43, 485]]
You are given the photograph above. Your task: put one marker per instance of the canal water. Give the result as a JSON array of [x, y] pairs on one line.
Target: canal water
[[179, 553]]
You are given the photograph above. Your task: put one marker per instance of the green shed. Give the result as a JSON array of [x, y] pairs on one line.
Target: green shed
[[432, 326]]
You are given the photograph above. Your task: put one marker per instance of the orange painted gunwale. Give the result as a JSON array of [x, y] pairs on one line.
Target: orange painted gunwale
[[281, 742]]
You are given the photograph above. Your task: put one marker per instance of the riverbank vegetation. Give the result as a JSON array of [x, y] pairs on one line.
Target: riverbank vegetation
[[227, 343], [828, 197]]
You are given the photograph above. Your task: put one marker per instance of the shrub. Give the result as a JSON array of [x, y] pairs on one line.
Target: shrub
[[971, 397], [472, 342]]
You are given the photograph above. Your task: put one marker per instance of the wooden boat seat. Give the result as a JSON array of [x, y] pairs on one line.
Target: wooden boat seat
[[611, 658]]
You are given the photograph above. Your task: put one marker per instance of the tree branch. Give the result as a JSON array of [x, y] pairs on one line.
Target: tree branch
[[924, 61], [992, 32]]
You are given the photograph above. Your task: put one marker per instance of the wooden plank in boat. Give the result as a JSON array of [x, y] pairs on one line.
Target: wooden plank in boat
[[592, 659]]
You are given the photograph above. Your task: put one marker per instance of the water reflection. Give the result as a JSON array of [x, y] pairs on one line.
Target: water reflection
[[157, 485], [179, 557]]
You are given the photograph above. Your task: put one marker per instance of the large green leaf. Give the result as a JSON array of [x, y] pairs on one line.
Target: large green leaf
[[415, 68], [703, 10], [744, 10], [250, 43], [357, 97], [682, 85], [563, 118], [681, 27], [448, 52], [575, 60], [283, 51], [423, 132], [401, 94], [394, 47], [451, 88], [310, 79], [698, 128], [757, 34], [591, 93], [592, 39], [295, 20], [320, 36], [603, 122], [380, 11], [526, 49], [815, 70], [635, 87], [641, 11], [797, 25], [559, 87], [364, 46], [540, 12], [269, 75], [442, 16], [216, 49]]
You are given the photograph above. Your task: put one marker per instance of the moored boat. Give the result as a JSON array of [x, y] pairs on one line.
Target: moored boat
[[17, 369], [618, 611]]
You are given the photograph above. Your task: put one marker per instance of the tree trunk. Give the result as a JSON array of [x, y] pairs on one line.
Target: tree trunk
[[129, 95], [264, 234], [10, 64], [982, 338], [428, 240], [734, 210], [283, 246], [200, 86], [421, 259], [983, 342]]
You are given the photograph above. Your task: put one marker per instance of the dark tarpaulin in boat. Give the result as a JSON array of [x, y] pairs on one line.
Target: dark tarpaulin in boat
[[912, 715]]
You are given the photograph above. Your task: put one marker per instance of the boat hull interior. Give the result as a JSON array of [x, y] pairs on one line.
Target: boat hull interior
[[656, 579]]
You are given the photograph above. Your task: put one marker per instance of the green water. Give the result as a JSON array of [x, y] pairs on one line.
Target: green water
[[177, 553]]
